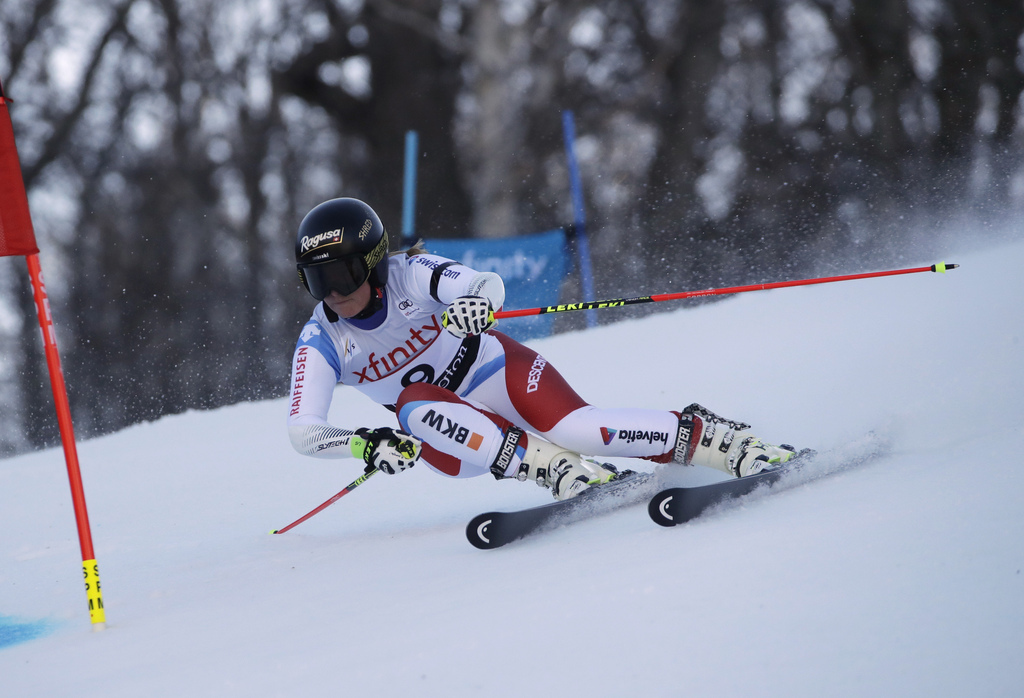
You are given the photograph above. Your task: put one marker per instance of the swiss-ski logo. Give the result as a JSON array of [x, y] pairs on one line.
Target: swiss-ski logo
[[311, 330]]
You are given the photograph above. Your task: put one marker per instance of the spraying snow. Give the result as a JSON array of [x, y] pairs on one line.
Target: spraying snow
[[900, 577]]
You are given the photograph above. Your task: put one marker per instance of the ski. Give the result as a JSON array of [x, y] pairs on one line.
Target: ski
[[497, 528], [677, 505]]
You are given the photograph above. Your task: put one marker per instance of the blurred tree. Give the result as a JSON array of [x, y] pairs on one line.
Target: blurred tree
[[170, 149]]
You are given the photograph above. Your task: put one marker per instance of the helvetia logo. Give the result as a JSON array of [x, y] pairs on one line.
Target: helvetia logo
[[631, 435]]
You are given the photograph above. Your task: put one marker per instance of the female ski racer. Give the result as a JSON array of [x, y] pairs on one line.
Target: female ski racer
[[414, 332]]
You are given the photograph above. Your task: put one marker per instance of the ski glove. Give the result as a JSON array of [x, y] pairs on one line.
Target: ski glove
[[468, 315], [386, 449]]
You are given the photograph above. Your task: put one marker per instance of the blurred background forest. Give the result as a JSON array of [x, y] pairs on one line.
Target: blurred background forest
[[170, 148]]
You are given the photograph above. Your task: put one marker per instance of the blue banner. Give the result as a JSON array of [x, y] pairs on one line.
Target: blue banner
[[532, 267]]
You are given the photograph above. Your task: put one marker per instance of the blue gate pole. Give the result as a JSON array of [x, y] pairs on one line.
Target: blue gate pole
[[579, 218], [409, 188]]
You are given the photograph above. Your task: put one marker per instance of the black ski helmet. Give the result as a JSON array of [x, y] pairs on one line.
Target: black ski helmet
[[341, 243]]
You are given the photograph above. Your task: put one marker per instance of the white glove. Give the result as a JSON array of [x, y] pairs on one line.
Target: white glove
[[468, 315], [386, 449]]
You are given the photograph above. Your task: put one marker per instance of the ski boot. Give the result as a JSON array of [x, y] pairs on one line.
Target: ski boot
[[704, 438], [550, 465]]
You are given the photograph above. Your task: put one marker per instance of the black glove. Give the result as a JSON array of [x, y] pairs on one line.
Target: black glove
[[386, 449]]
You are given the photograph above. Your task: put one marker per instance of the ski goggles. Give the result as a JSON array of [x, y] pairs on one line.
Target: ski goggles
[[343, 275]]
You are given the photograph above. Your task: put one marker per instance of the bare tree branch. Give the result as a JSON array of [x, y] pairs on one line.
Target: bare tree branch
[[62, 130]]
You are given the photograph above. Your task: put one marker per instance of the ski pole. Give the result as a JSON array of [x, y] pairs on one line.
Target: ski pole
[[370, 470], [941, 268]]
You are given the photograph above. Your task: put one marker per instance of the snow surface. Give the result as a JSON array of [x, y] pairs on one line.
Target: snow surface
[[900, 577]]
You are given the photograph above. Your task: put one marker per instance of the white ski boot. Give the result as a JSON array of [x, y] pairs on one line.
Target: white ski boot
[[550, 465], [704, 438]]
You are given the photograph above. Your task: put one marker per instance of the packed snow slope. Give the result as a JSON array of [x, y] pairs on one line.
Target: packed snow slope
[[898, 577]]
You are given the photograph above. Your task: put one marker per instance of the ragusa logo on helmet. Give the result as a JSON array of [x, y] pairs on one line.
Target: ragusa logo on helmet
[[314, 241]]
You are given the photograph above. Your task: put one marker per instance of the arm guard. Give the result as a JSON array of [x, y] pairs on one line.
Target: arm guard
[[322, 440]]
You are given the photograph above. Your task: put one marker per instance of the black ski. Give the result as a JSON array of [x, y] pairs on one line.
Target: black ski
[[677, 505], [497, 528]]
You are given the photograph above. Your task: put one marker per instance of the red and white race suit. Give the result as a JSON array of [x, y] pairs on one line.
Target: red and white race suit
[[457, 395]]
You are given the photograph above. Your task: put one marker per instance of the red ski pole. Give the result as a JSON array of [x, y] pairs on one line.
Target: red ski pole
[[370, 470], [658, 298]]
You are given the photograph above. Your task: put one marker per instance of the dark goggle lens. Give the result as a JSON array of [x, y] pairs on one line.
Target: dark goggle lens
[[341, 275]]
